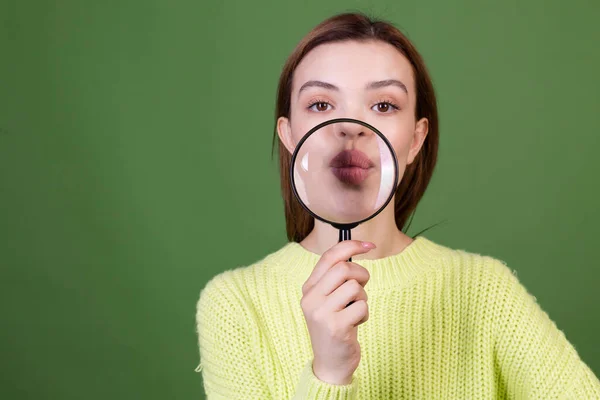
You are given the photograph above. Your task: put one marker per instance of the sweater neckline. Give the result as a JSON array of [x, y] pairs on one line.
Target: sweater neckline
[[391, 271]]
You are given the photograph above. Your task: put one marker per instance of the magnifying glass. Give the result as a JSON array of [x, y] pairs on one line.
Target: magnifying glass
[[344, 172]]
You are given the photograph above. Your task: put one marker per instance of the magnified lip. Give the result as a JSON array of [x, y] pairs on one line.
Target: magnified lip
[[351, 166]]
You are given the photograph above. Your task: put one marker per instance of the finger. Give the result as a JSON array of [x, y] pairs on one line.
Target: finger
[[340, 273], [341, 251], [351, 291], [355, 314]]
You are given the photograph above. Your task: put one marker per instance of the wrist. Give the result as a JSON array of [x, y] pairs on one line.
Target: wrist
[[332, 377]]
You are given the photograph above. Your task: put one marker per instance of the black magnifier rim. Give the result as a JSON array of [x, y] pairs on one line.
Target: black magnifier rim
[[316, 128]]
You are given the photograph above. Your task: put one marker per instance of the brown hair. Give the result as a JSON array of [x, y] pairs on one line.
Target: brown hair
[[357, 26]]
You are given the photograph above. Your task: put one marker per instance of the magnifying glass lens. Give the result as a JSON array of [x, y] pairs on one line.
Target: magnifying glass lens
[[344, 172]]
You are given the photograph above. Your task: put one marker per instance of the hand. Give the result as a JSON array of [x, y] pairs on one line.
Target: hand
[[332, 322]]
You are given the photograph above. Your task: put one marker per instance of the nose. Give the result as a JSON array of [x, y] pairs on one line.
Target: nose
[[351, 130]]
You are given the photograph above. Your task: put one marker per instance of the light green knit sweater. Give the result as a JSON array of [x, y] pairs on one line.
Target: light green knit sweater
[[443, 324]]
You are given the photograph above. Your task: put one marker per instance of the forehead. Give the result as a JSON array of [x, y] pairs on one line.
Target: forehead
[[353, 64]]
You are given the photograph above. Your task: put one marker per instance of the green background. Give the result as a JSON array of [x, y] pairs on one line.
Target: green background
[[135, 141]]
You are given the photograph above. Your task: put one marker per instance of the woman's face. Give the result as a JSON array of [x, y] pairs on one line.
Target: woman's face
[[369, 81]]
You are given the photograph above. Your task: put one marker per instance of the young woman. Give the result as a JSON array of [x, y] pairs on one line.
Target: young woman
[[434, 322]]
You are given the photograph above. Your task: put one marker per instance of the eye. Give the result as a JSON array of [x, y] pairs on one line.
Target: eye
[[319, 106], [385, 107]]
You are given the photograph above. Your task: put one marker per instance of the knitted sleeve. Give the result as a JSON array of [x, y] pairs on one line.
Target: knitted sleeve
[[534, 359], [228, 344], [229, 368], [310, 387]]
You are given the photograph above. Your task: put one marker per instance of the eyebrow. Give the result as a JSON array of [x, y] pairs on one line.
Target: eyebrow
[[371, 85], [387, 82], [321, 84]]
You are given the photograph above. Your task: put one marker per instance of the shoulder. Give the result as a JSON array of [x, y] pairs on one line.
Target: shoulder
[[480, 280], [462, 262], [236, 286], [488, 284]]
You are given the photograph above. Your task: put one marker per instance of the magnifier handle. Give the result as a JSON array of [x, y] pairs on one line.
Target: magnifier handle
[[345, 235]]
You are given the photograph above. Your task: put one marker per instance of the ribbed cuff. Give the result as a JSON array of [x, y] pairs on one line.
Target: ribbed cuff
[[311, 388]]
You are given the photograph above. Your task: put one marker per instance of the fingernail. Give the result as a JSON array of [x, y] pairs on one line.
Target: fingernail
[[368, 245]]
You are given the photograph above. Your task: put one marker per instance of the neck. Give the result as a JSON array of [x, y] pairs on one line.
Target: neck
[[381, 230]]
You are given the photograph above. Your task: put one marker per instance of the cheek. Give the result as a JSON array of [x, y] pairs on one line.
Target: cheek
[[299, 123], [400, 140], [297, 133], [299, 128], [401, 147]]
